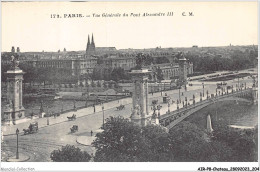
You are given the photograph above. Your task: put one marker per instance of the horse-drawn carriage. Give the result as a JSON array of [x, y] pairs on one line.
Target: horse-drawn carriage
[[74, 128], [71, 118], [121, 107], [33, 128]]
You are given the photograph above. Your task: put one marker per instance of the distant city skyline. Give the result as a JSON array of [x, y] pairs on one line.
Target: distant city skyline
[[29, 25]]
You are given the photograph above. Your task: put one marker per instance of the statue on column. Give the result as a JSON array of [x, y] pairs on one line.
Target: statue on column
[[14, 62], [140, 60]]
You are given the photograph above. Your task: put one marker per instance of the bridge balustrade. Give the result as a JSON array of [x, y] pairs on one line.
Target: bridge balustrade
[[168, 118]]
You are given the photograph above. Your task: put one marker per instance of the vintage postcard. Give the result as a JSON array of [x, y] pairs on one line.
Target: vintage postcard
[[94, 82]]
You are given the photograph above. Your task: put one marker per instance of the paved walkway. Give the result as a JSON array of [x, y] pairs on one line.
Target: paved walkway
[[42, 122], [85, 140]]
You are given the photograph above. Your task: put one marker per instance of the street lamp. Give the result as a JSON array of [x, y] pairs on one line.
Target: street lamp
[[103, 115], [203, 88], [61, 107], [238, 83], [161, 88], [17, 153], [74, 105], [180, 93], [158, 108]]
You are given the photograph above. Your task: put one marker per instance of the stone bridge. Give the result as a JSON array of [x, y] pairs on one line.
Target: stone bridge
[[171, 119]]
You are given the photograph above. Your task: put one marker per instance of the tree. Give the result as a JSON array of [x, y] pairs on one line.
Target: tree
[[110, 84], [120, 141], [69, 153], [123, 140], [98, 84], [81, 84], [119, 74], [160, 60], [93, 84], [159, 74], [190, 143], [104, 84]]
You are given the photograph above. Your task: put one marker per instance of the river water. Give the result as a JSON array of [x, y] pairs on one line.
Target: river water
[[51, 105]]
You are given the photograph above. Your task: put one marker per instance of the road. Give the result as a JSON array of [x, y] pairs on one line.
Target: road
[[50, 137]]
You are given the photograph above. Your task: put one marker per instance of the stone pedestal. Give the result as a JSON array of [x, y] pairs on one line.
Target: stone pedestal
[[140, 113], [183, 70], [14, 109]]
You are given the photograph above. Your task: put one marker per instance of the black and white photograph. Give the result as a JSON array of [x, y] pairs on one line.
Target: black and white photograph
[[93, 82]]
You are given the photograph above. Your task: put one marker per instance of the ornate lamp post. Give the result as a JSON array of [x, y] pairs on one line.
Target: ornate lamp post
[[238, 83], [41, 107], [61, 107], [103, 115], [161, 87], [17, 152], [159, 108], [203, 88], [48, 116], [180, 93], [74, 107]]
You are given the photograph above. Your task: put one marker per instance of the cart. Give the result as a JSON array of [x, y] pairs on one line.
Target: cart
[[33, 128], [74, 128]]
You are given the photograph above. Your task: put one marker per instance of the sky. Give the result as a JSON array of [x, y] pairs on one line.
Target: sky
[[29, 25]]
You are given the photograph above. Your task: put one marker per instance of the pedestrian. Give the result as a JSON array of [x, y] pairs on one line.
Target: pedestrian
[[94, 108], [91, 132]]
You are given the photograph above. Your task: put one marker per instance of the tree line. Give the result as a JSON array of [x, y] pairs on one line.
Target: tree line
[[124, 141], [238, 60]]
